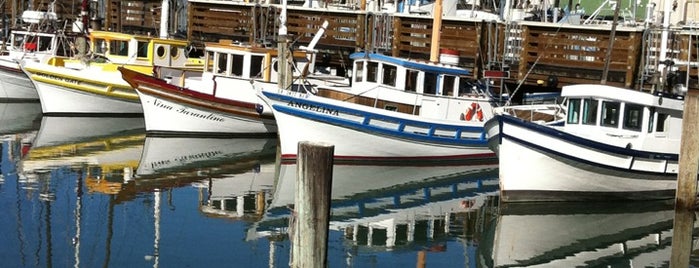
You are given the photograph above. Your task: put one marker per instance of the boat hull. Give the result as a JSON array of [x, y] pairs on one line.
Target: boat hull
[[361, 133], [540, 163], [14, 84], [59, 100]]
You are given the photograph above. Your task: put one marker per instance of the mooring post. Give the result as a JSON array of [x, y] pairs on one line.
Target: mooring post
[[312, 205], [686, 182], [689, 153]]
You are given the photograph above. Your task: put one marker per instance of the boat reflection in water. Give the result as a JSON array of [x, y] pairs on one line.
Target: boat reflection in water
[[19, 117], [562, 234], [105, 146], [390, 207], [236, 175]]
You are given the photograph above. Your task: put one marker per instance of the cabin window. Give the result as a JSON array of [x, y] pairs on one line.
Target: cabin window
[[633, 117], [465, 87], [411, 80], [209, 61], [389, 75], [160, 52], [448, 85], [610, 114], [372, 69], [429, 85], [222, 63], [589, 114], [100, 46], [256, 66], [17, 41], [142, 49], [119, 47], [175, 52], [44, 43], [359, 74], [238, 65], [661, 126], [391, 107], [573, 111]]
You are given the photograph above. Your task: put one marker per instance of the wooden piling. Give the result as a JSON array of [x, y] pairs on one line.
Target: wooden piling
[[686, 194], [312, 204]]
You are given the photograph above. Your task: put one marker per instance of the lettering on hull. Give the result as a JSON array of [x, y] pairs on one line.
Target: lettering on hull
[[314, 108]]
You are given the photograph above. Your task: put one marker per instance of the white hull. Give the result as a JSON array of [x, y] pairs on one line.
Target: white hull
[[366, 143], [571, 171], [16, 86], [165, 116], [61, 100]]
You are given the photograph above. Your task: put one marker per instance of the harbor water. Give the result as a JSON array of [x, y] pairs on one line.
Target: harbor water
[[99, 192]]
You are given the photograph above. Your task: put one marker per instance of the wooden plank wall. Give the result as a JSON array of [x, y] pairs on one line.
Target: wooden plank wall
[[578, 55], [556, 55]]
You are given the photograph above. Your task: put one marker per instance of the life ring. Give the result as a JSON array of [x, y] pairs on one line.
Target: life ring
[[473, 112]]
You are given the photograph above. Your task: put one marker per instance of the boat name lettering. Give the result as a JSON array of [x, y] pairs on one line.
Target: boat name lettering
[[162, 105], [208, 116], [314, 108], [67, 80]]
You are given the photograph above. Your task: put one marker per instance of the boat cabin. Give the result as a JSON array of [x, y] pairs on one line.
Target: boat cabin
[[623, 117], [240, 61], [141, 50], [411, 76]]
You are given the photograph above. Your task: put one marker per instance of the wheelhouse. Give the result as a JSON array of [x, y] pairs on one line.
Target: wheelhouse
[[636, 115], [411, 76]]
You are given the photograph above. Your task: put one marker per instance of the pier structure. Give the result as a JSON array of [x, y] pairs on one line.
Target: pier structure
[[535, 55]]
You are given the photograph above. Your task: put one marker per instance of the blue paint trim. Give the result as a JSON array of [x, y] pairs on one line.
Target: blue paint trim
[[410, 64], [398, 132], [586, 143]]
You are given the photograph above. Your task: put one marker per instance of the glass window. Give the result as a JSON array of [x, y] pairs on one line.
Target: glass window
[[573, 111], [119, 47], [662, 121], [238, 64], [359, 74], [142, 49], [222, 63], [44, 43], [633, 117], [589, 114], [372, 69], [100, 46], [209, 61], [411, 80], [448, 85], [256, 66], [650, 120], [429, 85], [610, 114], [389, 75]]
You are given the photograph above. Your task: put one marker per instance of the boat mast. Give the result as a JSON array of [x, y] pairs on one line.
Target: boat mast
[[164, 17], [436, 31]]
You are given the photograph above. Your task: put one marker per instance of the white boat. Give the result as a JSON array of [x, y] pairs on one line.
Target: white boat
[[615, 144], [576, 234], [92, 84], [218, 101], [396, 110], [32, 44]]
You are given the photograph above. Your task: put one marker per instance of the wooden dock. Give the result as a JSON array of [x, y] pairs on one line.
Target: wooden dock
[[538, 56]]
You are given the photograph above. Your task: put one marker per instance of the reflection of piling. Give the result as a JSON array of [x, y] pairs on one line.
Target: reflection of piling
[[312, 204], [682, 238], [689, 153]]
